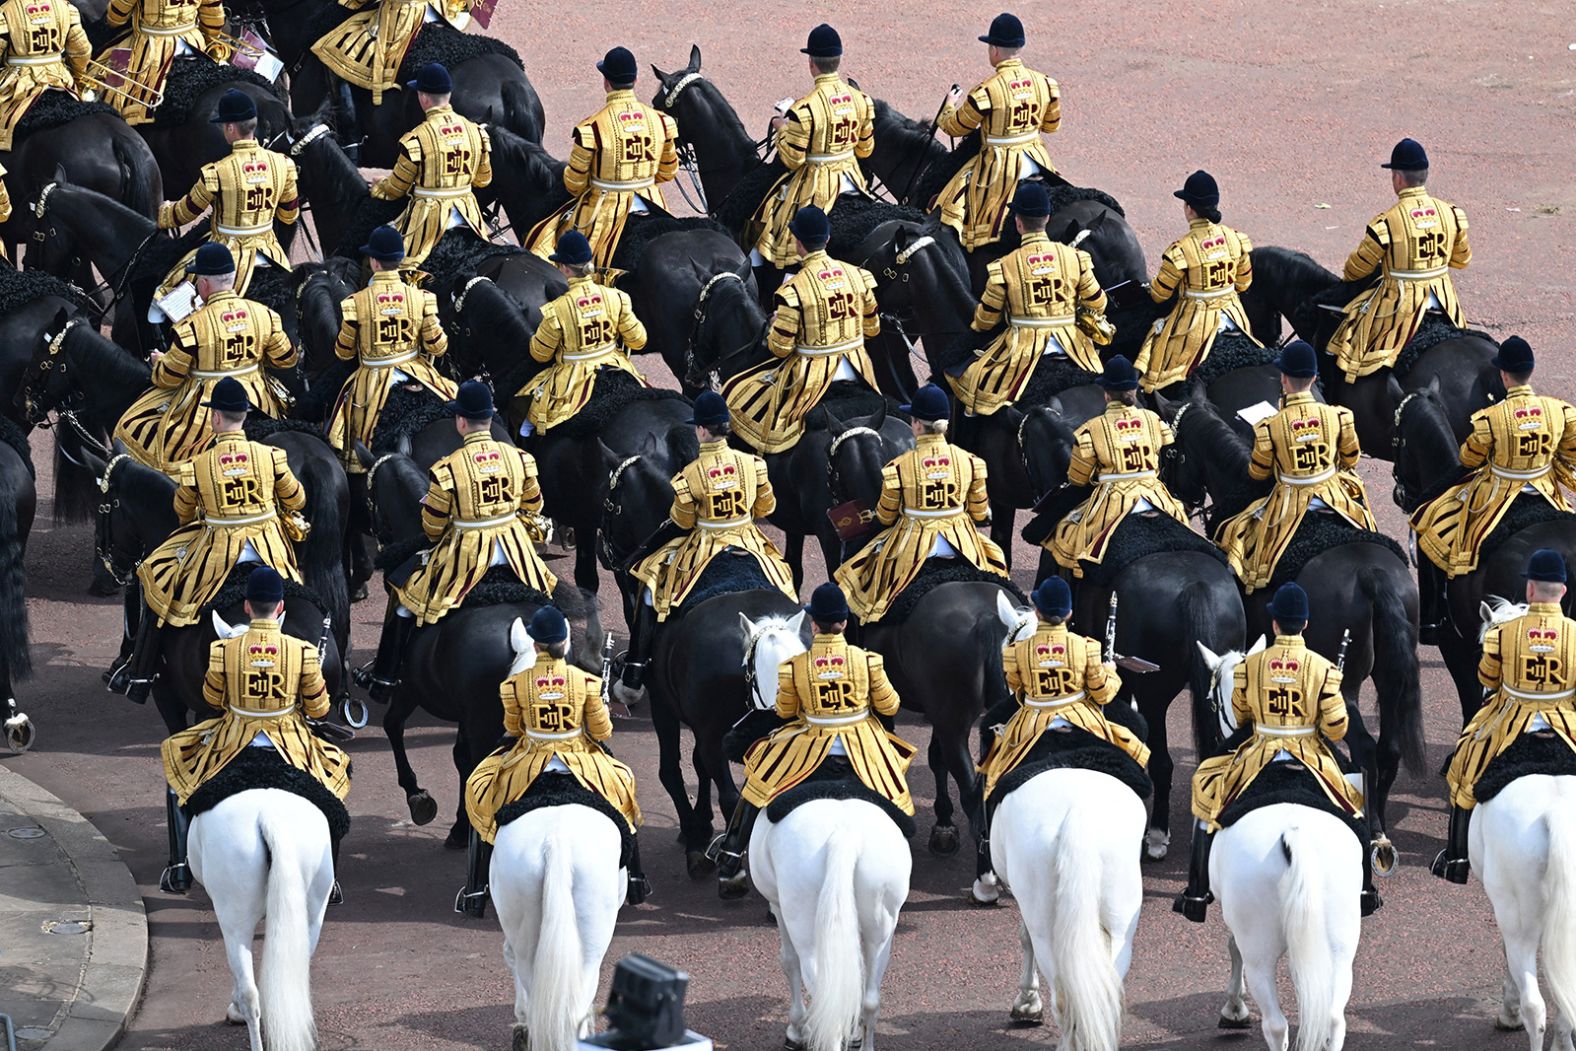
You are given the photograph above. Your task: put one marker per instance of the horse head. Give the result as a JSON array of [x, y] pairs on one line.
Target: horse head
[[855, 458], [1019, 620], [1496, 611], [1222, 672], [639, 490], [1423, 445], [921, 276], [1045, 444], [672, 85], [135, 512], [768, 644]]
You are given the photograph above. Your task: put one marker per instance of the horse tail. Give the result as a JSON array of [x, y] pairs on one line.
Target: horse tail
[[13, 600], [1088, 989], [1559, 911], [286, 987], [1396, 676], [1308, 956], [554, 1006], [76, 488], [838, 997], [1199, 617]]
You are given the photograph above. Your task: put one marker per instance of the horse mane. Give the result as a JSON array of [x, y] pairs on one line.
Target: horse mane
[[107, 362], [159, 256], [342, 179], [190, 80], [1432, 438], [723, 112], [1064, 194], [515, 153], [406, 414], [736, 210], [906, 134], [1499, 611], [1232, 350], [1296, 275]]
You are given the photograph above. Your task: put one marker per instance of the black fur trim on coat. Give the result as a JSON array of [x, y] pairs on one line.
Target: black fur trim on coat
[[939, 571], [265, 768], [1319, 532], [1433, 331], [1531, 753], [834, 779], [1289, 782], [1140, 536], [559, 789], [1073, 749]]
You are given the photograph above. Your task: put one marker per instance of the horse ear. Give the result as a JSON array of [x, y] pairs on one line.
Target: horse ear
[[608, 455], [747, 625], [878, 419], [694, 59], [1006, 612], [1258, 644], [1392, 387], [1433, 384], [1211, 658], [1165, 407], [834, 425], [1097, 223], [519, 641], [798, 623], [666, 78]]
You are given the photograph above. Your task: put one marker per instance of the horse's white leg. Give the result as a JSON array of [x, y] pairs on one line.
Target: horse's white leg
[[239, 922], [1235, 1014], [877, 957], [1509, 1007], [1521, 958], [797, 1011], [521, 996], [1260, 975], [1028, 1009]]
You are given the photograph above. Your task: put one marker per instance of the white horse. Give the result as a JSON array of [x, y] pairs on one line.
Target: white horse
[[265, 852], [835, 874], [769, 643], [1289, 882], [557, 885], [1066, 844]]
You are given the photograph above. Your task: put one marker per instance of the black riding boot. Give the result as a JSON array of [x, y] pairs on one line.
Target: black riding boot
[[349, 122], [1433, 608], [639, 885], [732, 880], [119, 675], [639, 654], [1452, 863], [472, 900], [145, 656], [336, 896], [1194, 901], [392, 644], [177, 877]]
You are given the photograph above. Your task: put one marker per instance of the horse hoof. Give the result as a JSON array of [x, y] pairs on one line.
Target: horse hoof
[[458, 838], [522, 1039], [103, 586], [1229, 1022], [986, 891], [1156, 844], [423, 808], [1513, 1024], [698, 864], [233, 1015], [359, 592], [732, 888], [944, 841], [1029, 1010], [791, 1044], [1384, 856]]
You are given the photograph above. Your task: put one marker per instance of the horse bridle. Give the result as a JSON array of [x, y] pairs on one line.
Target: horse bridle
[[26, 397], [103, 527], [1175, 456], [1399, 492], [833, 479], [752, 683], [609, 558], [465, 290], [698, 328]]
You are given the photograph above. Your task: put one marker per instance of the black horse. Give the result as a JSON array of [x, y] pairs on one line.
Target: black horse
[[1426, 463], [480, 65], [330, 183], [1175, 593], [181, 135], [1291, 285], [18, 503], [703, 672], [1359, 587]]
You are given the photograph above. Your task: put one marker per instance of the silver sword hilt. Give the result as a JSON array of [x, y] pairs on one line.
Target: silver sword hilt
[[1110, 630], [1340, 656]]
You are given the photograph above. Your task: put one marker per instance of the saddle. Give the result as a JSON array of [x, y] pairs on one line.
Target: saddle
[[934, 573], [1525, 511], [1231, 351], [1434, 330], [1290, 782], [190, 78], [560, 789], [1070, 748], [1140, 536], [1530, 753], [615, 391], [1318, 533], [834, 779], [265, 768]]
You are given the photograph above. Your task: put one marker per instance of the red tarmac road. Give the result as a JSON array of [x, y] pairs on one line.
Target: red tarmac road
[[1292, 107]]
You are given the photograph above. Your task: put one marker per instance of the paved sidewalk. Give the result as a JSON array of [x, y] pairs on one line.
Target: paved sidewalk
[[73, 935]]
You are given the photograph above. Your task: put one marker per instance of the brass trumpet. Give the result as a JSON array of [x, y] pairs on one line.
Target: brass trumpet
[[130, 89], [235, 44]]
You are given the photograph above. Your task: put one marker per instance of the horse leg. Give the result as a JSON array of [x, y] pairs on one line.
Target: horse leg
[[1028, 1008], [1235, 1014], [423, 808], [459, 836], [1260, 964], [944, 837], [1003, 516], [1157, 841], [1522, 936], [585, 559], [171, 709], [671, 774], [522, 997], [1461, 656], [793, 544], [798, 1012], [877, 957], [239, 913], [961, 763], [702, 789]]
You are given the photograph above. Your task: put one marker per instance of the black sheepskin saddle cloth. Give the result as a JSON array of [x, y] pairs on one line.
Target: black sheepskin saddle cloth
[[1526, 510], [406, 414], [442, 43], [846, 400], [264, 768], [615, 391], [1289, 782], [641, 229], [1433, 331], [1319, 532], [1053, 375], [559, 789], [233, 592], [18, 288], [56, 109], [458, 256], [1073, 749], [939, 571], [834, 779], [727, 574], [1140, 536], [260, 428], [1533, 753], [13, 435], [1231, 351], [190, 79], [735, 211]]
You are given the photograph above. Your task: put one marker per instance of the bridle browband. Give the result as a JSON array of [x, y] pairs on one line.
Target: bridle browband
[[102, 532], [698, 324], [317, 131], [677, 89], [832, 477]]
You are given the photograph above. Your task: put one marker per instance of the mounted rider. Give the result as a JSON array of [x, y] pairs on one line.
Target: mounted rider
[[1203, 272], [932, 505], [480, 511], [589, 329], [440, 162], [1311, 451], [820, 140], [1522, 446], [1010, 110], [45, 49], [1119, 453], [1039, 290], [391, 330], [1291, 697], [823, 316], [227, 336], [160, 32], [832, 695], [248, 191], [228, 502], [1412, 248], [555, 720], [266, 685], [1528, 669], [367, 48], [716, 500], [620, 156], [1059, 681]]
